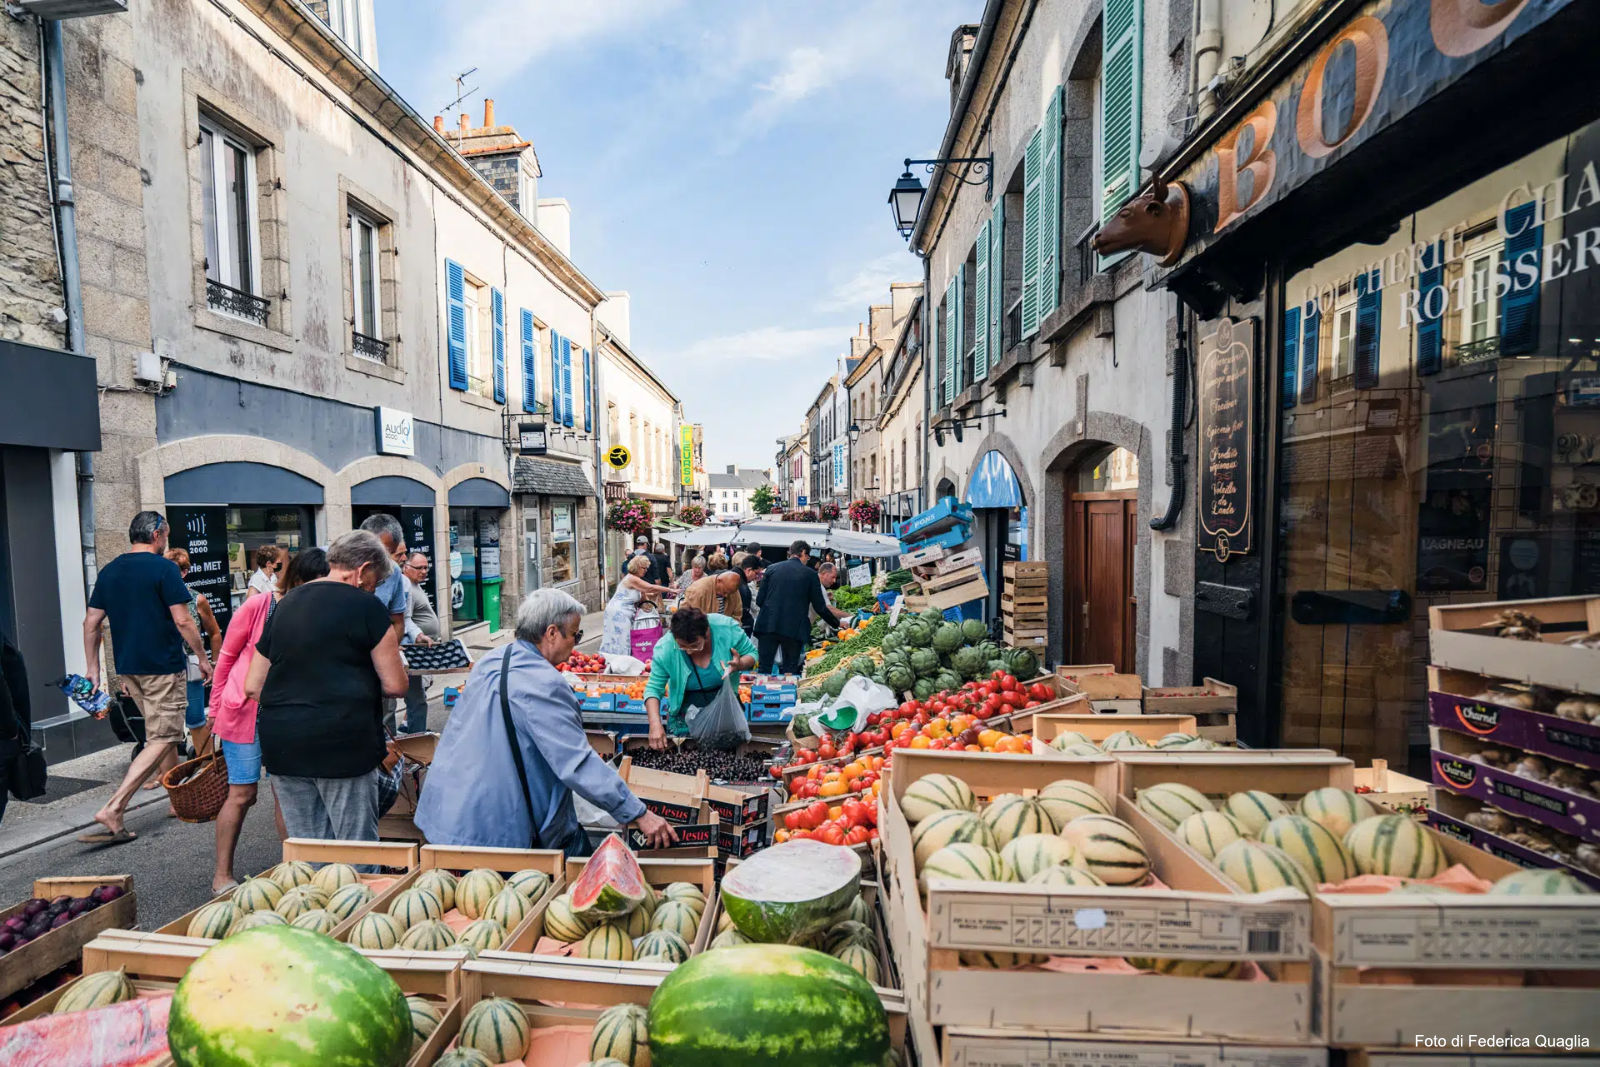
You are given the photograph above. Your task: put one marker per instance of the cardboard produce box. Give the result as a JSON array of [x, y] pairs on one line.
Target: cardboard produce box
[[56, 948], [1464, 701], [972, 1046], [1048, 726], [1195, 916]]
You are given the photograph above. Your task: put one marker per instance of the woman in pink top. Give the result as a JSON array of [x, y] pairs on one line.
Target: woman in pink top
[[233, 715]]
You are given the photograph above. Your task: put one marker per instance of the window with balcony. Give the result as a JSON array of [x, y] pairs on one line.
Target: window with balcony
[[366, 288], [232, 225]]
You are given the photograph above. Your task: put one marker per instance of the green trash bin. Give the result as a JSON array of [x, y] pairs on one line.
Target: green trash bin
[[491, 603], [471, 606]]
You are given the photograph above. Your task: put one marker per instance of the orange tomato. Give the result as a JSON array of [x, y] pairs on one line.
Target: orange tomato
[[1011, 744], [974, 748], [959, 723], [780, 837], [920, 741], [877, 763], [853, 769], [832, 788], [896, 730], [836, 811], [988, 738], [938, 728]]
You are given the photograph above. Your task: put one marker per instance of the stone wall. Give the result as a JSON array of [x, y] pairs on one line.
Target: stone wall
[[30, 274]]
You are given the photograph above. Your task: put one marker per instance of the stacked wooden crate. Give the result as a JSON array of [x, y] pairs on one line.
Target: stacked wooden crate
[[1025, 604]]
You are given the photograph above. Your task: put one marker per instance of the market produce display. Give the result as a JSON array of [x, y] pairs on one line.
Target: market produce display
[[584, 663], [38, 917], [96, 991], [854, 598], [790, 890], [688, 758], [611, 884]]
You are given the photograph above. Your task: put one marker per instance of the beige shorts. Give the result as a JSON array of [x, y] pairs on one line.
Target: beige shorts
[[162, 699]]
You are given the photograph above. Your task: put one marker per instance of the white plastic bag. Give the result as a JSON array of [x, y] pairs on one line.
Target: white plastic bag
[[860, 697], [619, 663]]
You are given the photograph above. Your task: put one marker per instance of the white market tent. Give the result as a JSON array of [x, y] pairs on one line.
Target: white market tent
[[775, 533]]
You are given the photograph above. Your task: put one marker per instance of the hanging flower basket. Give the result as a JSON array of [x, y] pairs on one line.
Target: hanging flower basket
[[800, 516], [693, 514], [865, 512], [830, 511], [631, 516]]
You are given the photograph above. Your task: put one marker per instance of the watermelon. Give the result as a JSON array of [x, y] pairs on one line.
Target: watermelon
[[790, 890], [611, 884], [798, 1007], [285, 997]]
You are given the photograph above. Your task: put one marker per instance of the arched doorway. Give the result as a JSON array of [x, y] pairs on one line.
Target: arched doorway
[[1101, 508], [1000, 511]]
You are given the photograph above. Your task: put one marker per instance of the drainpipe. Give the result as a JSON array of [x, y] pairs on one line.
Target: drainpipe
[[65, 206], [599, 478], [1177, 460], [1207, 54]]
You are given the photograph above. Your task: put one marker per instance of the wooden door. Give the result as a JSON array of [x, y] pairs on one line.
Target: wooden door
[[1099, 567]]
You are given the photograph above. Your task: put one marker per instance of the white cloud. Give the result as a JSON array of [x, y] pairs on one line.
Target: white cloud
[[869, 285]]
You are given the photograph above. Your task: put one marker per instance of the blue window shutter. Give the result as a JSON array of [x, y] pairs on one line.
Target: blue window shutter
[[1430, 332], [1050, 210], [997, 289], [566, 382], [1519, 308], [556, 341], [497, 307], [1032, 208], [455, 291], [588, 398], [530, 364], [980, 306], [1310, 336], [1121, 66], [1369, 320], [1291, 354]]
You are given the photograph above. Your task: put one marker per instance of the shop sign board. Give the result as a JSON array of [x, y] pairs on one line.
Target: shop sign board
[[418, 525], [396, 432], [686, 455], [860, 574], [202, 531], [1227, 435], [616, 492]]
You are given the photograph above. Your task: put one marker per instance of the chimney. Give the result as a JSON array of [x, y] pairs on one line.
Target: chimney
[[733, 468], [465, 125], [438, 125], [554, 219], [488, 112]]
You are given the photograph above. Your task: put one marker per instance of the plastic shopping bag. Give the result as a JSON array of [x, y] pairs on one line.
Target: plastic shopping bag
[[617, 663], [860, 697], [721, 724]]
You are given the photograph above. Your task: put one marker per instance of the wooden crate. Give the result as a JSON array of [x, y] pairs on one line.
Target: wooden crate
[[1212, 696], [460, 859], [1024, 569], [1390, 789], [1036, 640], [1286, 773], [969, 1046], [954, 596], [1048, 726], [22, 967], [1103, 684], [1197, 916], [395, 857], [952, 578], [1463, 637], [960, 560]]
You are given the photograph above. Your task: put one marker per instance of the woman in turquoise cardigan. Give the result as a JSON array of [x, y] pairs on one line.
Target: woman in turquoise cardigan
[[689, 665]]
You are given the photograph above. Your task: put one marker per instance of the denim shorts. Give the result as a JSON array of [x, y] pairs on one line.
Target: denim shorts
[[194, 714], [244, 761]]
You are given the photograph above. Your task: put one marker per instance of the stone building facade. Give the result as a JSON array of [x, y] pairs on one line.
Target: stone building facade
[[30, 273]]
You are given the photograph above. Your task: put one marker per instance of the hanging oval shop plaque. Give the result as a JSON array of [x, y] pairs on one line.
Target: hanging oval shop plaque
[[1227, 432], [618, 456]]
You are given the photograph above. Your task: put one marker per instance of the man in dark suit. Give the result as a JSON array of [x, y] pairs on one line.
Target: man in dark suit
[[789, 591]]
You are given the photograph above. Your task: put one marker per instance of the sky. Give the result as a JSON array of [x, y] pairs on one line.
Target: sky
[[728, 165]]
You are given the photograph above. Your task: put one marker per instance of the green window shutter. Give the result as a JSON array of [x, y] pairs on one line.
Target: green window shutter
[[1050, 213], [997, 289], [980, 307], [1120, 78], [956, 384], [1032, 166], [948, 391]]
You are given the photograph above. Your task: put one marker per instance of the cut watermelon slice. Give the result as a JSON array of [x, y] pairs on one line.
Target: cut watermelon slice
[[791, 890], [611, 885]]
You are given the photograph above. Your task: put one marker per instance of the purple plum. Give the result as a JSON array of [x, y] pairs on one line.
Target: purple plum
[[7, 940], [108, 893], [61, 920], [16, 924], [34, 907]]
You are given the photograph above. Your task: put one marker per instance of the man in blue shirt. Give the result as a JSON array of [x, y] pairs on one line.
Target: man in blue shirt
[[143, 596], [392, 591], [479, 795]]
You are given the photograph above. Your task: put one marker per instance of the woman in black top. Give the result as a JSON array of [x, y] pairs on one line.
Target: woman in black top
[[324, 663]]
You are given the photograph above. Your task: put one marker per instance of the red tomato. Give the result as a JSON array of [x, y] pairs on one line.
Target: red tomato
[[826, 751], [816, 814], [995, 676], [1041, 692], [1008, 683], [858, 835], [1032, 704], [832, 834], [1013, 699], [989, 688], [985, 712], [855, 812], [875, 718], [791, 821]]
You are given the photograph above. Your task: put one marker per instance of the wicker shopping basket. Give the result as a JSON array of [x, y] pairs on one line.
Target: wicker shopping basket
[[198, 787]]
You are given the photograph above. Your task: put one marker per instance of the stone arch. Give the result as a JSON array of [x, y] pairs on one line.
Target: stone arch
[[156, 464]]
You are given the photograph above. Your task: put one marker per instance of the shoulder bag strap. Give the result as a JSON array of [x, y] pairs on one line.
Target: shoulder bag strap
[[511, 739]]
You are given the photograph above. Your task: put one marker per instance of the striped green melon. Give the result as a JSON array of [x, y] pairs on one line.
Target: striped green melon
[[966, 861], [948, 828], [429, 935], [1337, 809], [935, 793], [848, 932], [299, 900], [1209, 832], [485, 935], [95, 990], [1122, 740], [257, 894], [1109, 848], [425, 1019], [561, 923], [1253, 809], [997, 961], [730, 937], [316, 920], [291, 873], [725, 921], [1031, 853], [1255, 868], [475, 889], [648, 902], [686, 891], [255, 919], [414, 906], [440, 883], [376, 930], [1011, 816], [1176, 739], [1069, 737], [608, 941], [859, 910], [636, 922], [1081, 750], [507, 907], [1065, 800], [860, 959], [661, 946], [1188, 968], [213, 920], [496, 1027], [1310, 844], [1395, 845], [347, 900], [622, 1033], [677, 916], [1169, 803], [1542, 882], [463, 1057], [1064, 876], [530, 883], [332, 877]]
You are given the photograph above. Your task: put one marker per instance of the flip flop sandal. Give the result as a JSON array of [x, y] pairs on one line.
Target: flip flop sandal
[[108, 837]]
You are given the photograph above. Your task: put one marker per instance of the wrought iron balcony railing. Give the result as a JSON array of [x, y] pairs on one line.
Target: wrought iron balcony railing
[[370, 347], [236, 302]]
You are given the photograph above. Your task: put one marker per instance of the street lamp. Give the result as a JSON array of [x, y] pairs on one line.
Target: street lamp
[[855, 432], [905, 200]]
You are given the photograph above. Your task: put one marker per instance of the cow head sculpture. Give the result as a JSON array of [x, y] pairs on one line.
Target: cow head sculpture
[[1156, 221]]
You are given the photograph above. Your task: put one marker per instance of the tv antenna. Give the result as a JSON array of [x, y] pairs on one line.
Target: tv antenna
[[462, 92]]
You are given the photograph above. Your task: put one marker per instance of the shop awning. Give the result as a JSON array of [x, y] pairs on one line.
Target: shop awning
[[392, 490], [661, 522], [779, 534], [50, 399], [994, 484], [479, 493], [241, 483], [550, 477]]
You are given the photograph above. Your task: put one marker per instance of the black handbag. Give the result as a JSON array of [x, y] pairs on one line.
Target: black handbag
[[26, 774]]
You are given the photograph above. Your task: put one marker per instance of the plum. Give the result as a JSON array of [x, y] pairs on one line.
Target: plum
[[107, 893], [34, 907], [63, 900], [61, 920], [79, 906], [7, 940], [16, 924]]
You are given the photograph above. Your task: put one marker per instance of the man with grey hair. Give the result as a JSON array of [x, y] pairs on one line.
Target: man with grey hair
[[514, 750], [391, 589], [141, 593]]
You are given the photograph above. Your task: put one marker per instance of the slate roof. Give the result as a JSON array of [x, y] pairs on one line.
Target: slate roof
[[551, 477]]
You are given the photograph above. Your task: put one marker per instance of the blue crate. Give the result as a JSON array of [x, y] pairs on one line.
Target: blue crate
[[887, 599], [953, 538], [603, 702], [938, 517], [629, 706], [768, 712]]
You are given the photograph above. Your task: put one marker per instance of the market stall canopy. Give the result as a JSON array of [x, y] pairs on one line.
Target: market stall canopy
[[994, 484], [779, 534], [701, 536]]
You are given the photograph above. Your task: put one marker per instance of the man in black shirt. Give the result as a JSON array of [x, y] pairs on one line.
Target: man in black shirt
[[789, 592], [751, 568]]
